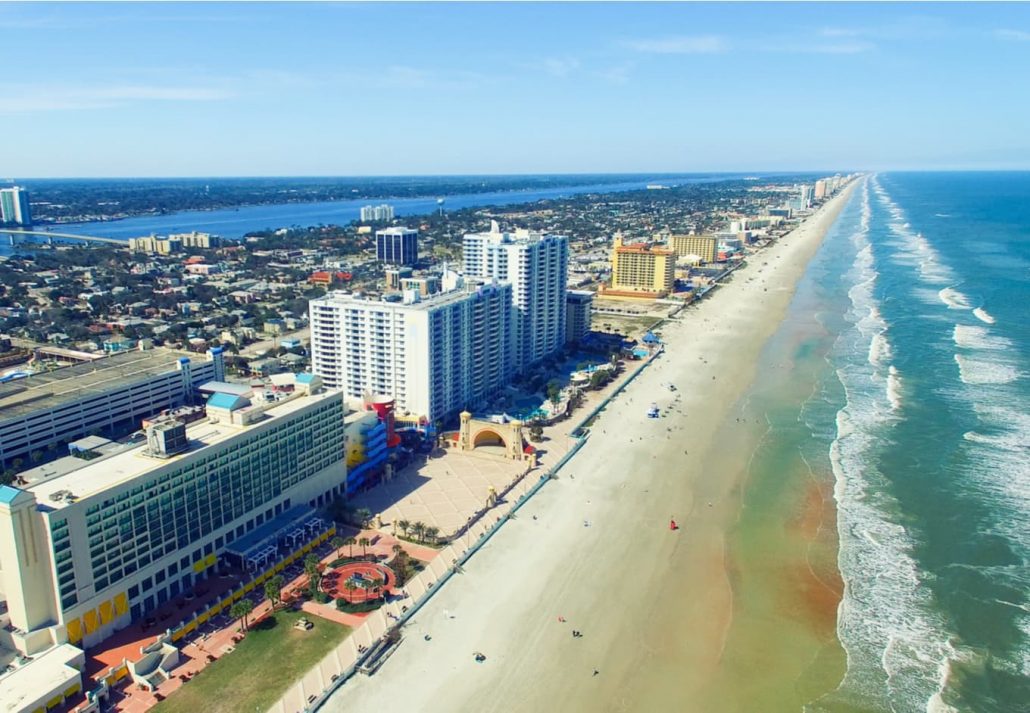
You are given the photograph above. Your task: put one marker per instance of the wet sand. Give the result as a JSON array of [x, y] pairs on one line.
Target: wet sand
[[656, 607]]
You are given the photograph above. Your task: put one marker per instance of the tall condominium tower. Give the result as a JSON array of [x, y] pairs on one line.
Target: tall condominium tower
[[436, 355], [14, 206], [536, 266], [397, 246]]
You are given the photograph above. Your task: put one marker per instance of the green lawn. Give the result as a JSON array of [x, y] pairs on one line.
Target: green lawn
[[268, 660]]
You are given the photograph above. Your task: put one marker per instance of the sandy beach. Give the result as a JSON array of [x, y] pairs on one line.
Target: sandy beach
[[594, 547]]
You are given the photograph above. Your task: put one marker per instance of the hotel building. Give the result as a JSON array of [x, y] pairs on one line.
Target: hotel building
[[536, 267], [109, 396], [397, 246], [703, 247], [578, 305], [88, 551], [436, 355], [642, 270]]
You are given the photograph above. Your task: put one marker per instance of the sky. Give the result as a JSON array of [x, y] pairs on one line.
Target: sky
[[240, 89]]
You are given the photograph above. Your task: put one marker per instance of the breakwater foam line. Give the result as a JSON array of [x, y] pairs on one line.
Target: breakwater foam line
[[897, 647]]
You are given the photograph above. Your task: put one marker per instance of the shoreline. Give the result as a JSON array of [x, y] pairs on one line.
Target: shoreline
[[655, 607]]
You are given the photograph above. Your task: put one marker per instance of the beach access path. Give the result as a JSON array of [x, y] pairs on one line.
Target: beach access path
[[593, 552]]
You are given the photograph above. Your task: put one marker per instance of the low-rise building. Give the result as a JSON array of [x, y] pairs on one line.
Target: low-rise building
[[108, 395]]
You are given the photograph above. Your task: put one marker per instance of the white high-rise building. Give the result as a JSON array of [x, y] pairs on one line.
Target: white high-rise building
[[14, 206], [377, 213], [805, 196], [436, 355], [536, 265]]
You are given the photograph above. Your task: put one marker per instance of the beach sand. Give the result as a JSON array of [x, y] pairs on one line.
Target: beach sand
[[655, 607]]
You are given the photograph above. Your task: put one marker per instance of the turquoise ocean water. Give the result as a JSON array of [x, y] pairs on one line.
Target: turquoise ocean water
[[924, 283]]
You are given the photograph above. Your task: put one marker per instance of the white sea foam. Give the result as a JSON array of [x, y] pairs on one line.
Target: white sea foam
[[894, 388], [981, 314], [954, 299], [979, 371], [971, 337], [896, 642], [999, 470], [879, 350]]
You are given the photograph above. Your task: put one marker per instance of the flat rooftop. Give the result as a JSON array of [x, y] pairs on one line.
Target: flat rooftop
[[470, 286], [96, 476], [48, 390], [47, 673]]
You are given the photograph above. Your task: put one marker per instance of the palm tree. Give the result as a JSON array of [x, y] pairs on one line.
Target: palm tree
[[271, 592], [396, 550], [363, 515], [311, 564], [241, 610], [338, 543], [419, 529], [350, 586], [364, 542], [431, 533], [405, 525], [350, 542], [372, 585]]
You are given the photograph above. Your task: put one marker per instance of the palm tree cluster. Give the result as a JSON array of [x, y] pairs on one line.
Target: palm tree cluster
[[241, 610], [274, 589], [418, 531]]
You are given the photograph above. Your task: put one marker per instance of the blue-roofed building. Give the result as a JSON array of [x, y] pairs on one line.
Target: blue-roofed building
[[227, 401]]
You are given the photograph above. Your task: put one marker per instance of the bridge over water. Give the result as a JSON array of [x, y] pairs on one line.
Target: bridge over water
[[50, 235]]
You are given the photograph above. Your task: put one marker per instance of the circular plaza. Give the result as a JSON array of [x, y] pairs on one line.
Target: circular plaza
[[357, 582]]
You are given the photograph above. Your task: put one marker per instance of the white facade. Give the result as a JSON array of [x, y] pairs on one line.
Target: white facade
[[536, 266], [370, 213], [14, 206], [109, 395], [436, 356], [87, 552]]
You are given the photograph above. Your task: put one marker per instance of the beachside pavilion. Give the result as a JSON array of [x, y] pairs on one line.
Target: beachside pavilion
[[276, 539]]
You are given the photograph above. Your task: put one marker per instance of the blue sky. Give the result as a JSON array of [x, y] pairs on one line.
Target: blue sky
[[360, 89]]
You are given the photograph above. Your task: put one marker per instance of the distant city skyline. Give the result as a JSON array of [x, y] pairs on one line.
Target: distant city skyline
[[219, 89]]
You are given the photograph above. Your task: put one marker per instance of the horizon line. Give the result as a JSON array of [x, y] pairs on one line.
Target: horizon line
[[657, 174]]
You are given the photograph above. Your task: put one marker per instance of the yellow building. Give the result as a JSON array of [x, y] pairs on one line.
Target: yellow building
[[703, 246], [641, 269]]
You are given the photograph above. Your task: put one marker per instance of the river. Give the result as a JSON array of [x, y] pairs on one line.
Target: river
[[237, 222]]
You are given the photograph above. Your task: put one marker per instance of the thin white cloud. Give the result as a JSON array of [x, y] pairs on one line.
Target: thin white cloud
[[407, 77], [22, 99], [618, 74], [909, 28], [560, 67], [848, 47], [1017, 35], [683, 44]]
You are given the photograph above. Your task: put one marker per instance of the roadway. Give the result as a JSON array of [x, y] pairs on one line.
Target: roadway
[[13, 232]]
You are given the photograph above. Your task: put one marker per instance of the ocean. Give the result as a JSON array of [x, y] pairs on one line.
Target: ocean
[[925, 287]]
